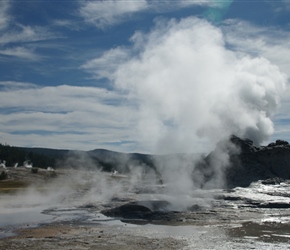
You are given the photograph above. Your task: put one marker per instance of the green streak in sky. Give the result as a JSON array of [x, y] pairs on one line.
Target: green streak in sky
[[218, 10]]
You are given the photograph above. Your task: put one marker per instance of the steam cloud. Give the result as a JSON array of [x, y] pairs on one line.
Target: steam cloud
[[189, 87], [192, 90]]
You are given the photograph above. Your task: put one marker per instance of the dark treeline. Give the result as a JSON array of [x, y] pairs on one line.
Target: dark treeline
[[17, 155], [106, 160]]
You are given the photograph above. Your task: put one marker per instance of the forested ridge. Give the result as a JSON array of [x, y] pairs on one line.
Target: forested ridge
[[17, 155]]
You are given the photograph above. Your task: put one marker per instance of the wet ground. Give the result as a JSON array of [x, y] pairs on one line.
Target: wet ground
[[69, 212]]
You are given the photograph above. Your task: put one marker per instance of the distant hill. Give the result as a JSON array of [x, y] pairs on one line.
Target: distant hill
[[61, 158], [248, 164], [46, 151], [39, 157], [121, 162]]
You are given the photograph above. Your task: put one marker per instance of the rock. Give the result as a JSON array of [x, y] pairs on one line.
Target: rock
[[281, 142], [278, 143], [272, 181], [272, 144], [133, 212], [246, 163], [280, 205], [34, 170], [128, 211], [3, 175], [275, 159], [246, 145], [88, 206]]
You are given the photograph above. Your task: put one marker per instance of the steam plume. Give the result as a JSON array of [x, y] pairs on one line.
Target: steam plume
[[192, 91], [189, 86]]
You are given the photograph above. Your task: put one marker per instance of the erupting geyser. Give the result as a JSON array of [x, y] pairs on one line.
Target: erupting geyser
[[192, 91], [26, 164], [3, 164]]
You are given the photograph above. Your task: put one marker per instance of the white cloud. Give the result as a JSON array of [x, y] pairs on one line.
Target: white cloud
[[280, 5], [26, 34], [66, 23], [269, 42], [105, 13], [14, 32], [63, 98], [20, 52], [4, 16], [162, 6], [282, 119], [189, 86], [64, 116], [23, 34], [9, 85], [107, 63]]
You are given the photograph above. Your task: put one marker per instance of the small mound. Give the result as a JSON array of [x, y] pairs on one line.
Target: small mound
[[134, 212], [128, 211]]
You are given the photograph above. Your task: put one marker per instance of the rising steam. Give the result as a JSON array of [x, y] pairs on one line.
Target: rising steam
[[192, 91], [188, 85]]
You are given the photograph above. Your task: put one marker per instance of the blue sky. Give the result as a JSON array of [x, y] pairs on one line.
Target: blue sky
[[143, 75]]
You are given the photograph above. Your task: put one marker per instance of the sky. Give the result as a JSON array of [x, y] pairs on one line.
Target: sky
[[148, 76]]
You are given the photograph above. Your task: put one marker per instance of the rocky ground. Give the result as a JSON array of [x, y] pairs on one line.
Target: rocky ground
[[85, 237], [205, 235], [257, 217]]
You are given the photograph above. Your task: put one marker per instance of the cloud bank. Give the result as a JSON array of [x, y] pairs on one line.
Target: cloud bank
[[64, 116], [191, 89]]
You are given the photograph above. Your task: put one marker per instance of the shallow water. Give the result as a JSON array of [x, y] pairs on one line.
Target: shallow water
[[23, 216]]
